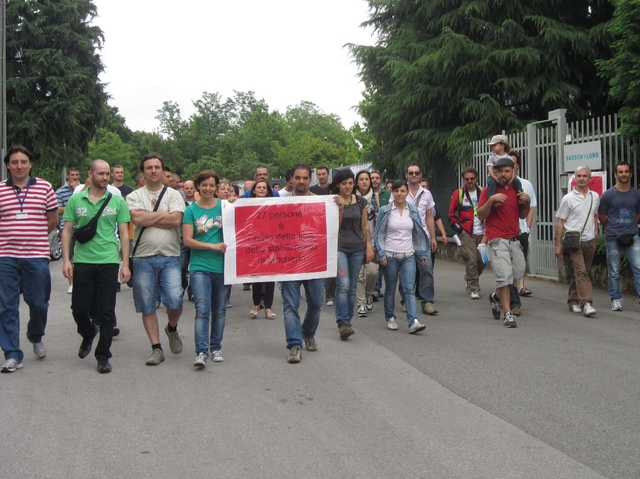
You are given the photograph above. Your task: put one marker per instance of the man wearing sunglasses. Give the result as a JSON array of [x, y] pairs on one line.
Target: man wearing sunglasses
[[423, 200], [262, 173]]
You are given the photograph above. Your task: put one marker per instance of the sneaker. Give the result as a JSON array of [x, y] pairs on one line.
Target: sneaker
[[516, 311], [216, 356], [362, 311], [616, 305], [157, 356], [295, 356], [345, 330], [575, 308], [10, 365], [588, 310], [495, 305], [70, 289], [391, 324], [416, 327], [509, 320], [369, 304], [175, 343], [375, 296], [429, 308], [404, 308], [310, 344], [40, 350], [227, 304], [474, 295], [201, 361], [329, 303]]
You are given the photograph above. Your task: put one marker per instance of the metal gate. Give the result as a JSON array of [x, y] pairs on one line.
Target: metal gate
[[542, 150]]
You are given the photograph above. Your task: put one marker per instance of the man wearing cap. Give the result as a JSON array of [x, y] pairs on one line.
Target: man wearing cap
[[502, 227]]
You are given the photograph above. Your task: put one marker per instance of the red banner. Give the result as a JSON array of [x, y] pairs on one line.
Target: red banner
[[282, 239]]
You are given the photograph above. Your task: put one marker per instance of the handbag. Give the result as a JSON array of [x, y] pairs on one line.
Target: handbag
[[626, 239], [572, 239], [135, 246], [87, 232]]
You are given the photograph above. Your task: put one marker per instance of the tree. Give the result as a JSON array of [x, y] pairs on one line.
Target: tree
[[623, 69], [55, 100], [444, 73]]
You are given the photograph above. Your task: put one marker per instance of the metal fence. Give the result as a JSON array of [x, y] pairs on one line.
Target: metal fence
[[542, 149]]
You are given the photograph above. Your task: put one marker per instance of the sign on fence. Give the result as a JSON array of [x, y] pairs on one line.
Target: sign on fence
[[280, 239], [583, 154]]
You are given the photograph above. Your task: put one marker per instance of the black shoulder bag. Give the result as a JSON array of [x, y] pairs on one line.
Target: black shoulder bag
[[88, 231], [135, 247]]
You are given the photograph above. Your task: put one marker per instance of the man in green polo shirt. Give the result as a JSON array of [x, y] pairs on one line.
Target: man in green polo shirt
[[96, 262]]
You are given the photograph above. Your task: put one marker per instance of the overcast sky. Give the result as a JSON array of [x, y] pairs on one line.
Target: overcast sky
[[285, 51]]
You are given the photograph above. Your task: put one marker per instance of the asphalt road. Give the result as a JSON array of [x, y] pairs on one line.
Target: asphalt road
[[467, 398]]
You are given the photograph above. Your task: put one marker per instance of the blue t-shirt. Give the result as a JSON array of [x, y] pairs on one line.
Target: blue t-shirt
[[621, 209], [207, 228]]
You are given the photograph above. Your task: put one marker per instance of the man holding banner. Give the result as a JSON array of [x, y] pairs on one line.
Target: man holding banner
[[295, 331]]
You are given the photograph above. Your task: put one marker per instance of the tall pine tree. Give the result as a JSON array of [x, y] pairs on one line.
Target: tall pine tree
[[55, 100], [446, 72], [624, 68]]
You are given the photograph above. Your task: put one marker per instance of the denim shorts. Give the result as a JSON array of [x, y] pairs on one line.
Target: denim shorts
[[157, 277]]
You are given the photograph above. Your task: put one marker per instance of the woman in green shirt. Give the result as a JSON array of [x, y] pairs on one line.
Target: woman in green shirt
[[202, 232]]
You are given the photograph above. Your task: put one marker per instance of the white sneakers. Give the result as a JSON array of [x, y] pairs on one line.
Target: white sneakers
[[588, 310], [391, 324], [616, 304]]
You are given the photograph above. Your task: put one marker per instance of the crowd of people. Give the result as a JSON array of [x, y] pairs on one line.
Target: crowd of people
[[165, 239]]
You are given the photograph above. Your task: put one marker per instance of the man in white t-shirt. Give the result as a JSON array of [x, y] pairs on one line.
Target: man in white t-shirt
[[423, 200], [463, 218], [577, 212], [156, 262]]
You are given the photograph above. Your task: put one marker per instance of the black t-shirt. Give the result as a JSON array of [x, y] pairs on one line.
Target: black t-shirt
[[125, 190], [318, 190]]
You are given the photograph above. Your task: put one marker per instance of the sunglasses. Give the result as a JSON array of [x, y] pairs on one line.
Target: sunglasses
[[413, 173]]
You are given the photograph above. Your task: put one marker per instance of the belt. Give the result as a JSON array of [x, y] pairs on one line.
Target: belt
[[399, 255], [515, 238]]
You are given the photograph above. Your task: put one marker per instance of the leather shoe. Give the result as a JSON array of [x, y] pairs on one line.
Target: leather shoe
[[85, 346], [104, 366], [116, 331]]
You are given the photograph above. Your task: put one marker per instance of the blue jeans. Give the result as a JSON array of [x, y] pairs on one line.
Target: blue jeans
[[614, 251], [31, 277], [294, 330], [209, 295], [346, 282], [156, 278], [407, 268], [424, 281]]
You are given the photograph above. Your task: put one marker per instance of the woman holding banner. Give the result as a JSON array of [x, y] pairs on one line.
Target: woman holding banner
[[202, 232], [354, 245], [369, 271], [398, 237], [261, 189]]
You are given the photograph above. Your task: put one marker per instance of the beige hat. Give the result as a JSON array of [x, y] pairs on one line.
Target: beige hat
[[500, 139]]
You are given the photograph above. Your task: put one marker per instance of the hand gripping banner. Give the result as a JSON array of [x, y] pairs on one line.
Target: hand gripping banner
[[280, 239]]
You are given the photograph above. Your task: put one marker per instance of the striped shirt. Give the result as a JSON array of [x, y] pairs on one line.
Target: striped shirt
[[62, 195], [25, 237]]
